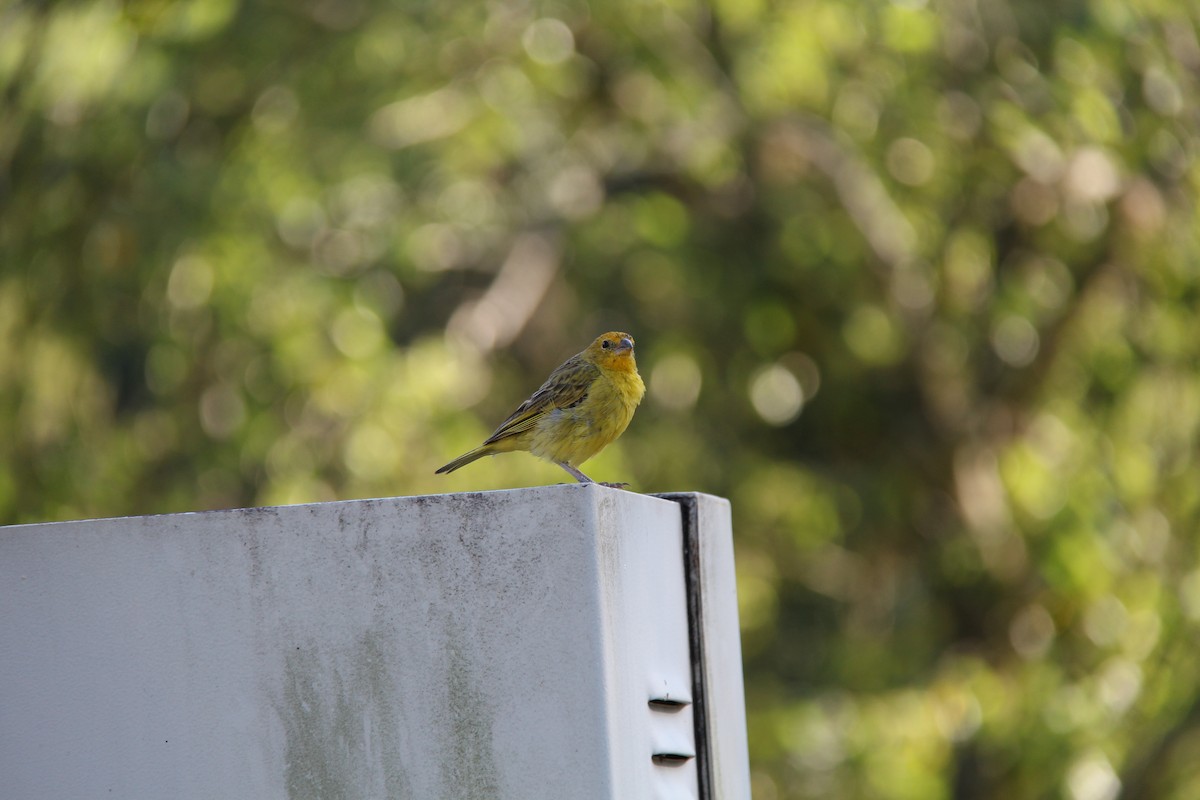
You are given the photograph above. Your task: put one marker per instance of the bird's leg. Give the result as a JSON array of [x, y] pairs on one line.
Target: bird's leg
[[576, 474], [579, 476]]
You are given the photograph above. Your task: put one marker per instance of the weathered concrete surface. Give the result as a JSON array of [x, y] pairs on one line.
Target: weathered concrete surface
[[488, 645]]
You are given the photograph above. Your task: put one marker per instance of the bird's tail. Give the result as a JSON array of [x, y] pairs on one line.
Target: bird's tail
[[464, 459]]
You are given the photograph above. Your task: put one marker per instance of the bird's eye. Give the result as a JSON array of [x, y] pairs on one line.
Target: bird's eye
[[606, 344]]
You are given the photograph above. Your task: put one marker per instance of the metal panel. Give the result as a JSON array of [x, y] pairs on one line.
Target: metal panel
[[525, 644], [716, 652]]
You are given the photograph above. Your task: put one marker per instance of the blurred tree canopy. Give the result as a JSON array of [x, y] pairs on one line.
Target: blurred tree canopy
[[914, 284]]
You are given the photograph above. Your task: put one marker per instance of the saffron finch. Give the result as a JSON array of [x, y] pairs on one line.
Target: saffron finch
[[582, 407]]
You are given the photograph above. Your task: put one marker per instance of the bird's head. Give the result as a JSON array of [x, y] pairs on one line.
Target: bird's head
[[612, 350]]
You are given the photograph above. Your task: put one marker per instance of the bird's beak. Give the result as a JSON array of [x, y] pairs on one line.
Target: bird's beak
[[625, 344]]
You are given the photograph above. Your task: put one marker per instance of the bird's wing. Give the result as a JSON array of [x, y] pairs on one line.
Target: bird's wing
[[567, 386]]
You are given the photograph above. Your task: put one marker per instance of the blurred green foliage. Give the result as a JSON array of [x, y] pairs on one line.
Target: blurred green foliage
[[915, 284]]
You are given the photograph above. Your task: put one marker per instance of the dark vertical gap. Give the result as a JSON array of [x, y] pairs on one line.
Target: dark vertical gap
[[691, 574]]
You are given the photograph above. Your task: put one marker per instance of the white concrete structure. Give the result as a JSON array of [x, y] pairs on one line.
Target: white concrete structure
[[523, 644]]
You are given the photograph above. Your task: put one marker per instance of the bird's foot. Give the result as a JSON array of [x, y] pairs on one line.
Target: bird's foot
[[579, 476]]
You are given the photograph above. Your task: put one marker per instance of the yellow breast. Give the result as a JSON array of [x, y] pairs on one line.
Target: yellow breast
[[573, 435]]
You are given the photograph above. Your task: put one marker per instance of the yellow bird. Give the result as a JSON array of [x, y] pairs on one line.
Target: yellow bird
[[582, 407]]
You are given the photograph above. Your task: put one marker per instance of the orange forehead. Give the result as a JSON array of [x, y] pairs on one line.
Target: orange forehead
[[608, 351], [614, 336]]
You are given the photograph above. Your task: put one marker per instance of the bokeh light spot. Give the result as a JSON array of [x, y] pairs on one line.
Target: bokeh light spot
[[675, 382], [776, 395], [191, 282], [873, 336], [910, 161], [1093, 778], [548, 41], [1031, 632], [1016, 341], [222, 411], [357, 332]]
